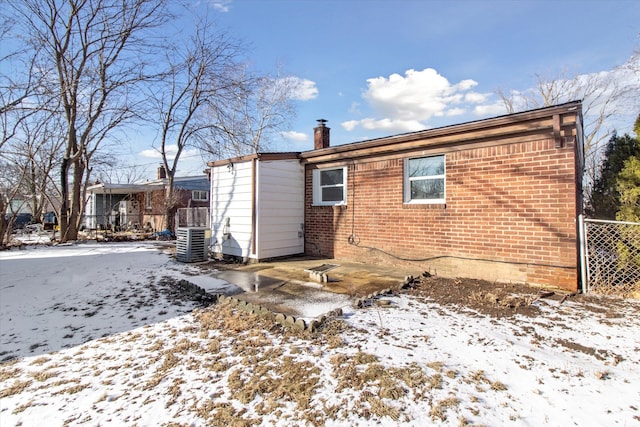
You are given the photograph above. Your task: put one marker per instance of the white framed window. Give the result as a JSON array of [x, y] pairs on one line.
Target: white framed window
[[425, 180], [199, 196], [148, 200], [330, 186]]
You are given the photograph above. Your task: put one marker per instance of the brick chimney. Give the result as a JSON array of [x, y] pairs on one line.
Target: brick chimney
[[162, 173], [321, 135]]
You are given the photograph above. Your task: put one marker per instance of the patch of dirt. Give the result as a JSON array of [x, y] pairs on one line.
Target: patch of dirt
[[493, 299], [506, 299], [464, 294]]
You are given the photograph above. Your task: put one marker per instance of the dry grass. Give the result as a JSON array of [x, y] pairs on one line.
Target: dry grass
[[439, 411], [71, 390], [501, 299], [435, 381], [223, 414], [21, 408], [268, 368], [9, 371], [43, 375], [381, 409], [16, 388], [498, 386], [436, 366], [175, 390], [40, 361]]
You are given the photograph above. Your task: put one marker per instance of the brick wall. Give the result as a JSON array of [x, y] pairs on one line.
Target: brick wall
[[510, 215], [154, 216]]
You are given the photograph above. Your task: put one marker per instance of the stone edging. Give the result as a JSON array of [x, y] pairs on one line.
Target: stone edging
[[199, 294], [374, 298]]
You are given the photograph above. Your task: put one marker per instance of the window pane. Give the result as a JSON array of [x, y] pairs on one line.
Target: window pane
[[427, 189], [331, 177], [426, 166], [332, 194]]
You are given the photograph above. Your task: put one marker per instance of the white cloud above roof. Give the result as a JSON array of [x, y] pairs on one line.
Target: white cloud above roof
[[405, 103], [385, 124], [495, 109], [302, 89], [294, 136], [417, 95], [171, 150]]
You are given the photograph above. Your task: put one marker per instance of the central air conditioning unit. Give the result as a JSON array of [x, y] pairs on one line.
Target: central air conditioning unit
[[192, 244]]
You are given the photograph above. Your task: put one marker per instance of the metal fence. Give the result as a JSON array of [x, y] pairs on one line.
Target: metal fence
[[611, 256], [192, 217]]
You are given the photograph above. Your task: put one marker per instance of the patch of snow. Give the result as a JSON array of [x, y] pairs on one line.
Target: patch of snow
[[567, 366]]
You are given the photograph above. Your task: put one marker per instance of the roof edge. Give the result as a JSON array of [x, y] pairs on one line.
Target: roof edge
[[449, 130], [285, 155]]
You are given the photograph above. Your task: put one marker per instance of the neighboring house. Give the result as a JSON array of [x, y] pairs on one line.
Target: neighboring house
[[20, 212], [141, 206], [496, 199]]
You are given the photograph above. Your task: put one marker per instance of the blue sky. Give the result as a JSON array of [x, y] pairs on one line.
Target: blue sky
[[374, 68]]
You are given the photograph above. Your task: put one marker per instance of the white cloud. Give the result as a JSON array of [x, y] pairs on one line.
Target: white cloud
[[221, 5], [455, 112], [384, 124], [355, 108], [349, 125], [476, 98], [294, 136], [418, 95], [171, 150], [151, 153], [404, 103], [302, 89], [495, 109]]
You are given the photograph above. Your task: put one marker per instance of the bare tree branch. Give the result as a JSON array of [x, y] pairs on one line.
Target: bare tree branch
[[90, 54], [201, 73]]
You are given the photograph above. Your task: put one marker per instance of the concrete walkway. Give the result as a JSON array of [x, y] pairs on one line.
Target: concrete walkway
[[285, 285]]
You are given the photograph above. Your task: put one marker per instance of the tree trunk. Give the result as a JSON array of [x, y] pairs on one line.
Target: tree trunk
[[64, 209], [4, 229], [169, 204], [71, 201]]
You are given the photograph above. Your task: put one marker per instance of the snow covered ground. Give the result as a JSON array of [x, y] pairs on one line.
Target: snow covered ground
[[102, 339], [58, 297]]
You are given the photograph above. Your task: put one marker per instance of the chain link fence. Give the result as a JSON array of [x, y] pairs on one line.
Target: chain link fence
[[612, 257]]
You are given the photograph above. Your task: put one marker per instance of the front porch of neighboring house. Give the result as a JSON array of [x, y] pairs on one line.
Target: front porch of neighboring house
[[124, 207]]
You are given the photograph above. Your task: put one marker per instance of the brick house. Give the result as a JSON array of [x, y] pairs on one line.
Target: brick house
[[495, 199], [141, 206]]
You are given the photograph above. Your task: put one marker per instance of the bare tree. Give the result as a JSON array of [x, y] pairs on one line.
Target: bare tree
[[597, 90], [90, 54], [250, 120], [202, 74], [604, 95], [107, 171], [32, 154]]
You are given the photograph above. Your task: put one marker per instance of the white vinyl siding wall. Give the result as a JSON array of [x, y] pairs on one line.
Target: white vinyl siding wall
[[280, 208], [231, 200]]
